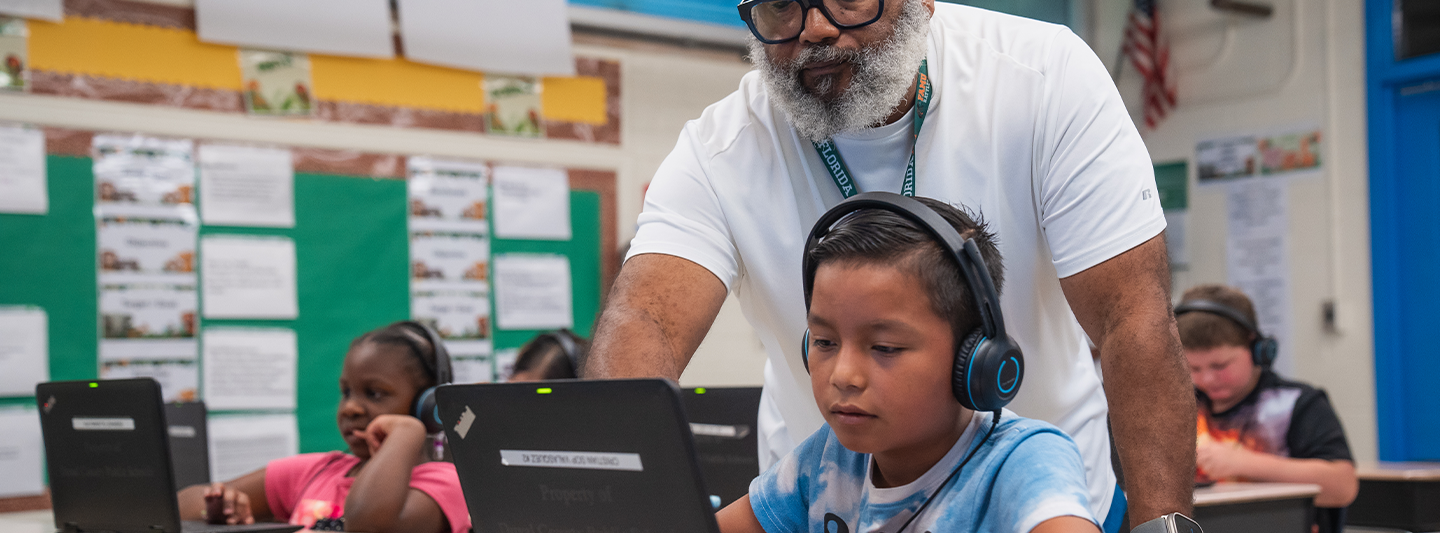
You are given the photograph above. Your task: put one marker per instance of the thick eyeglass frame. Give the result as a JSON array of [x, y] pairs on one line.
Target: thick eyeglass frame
[[746, 6]]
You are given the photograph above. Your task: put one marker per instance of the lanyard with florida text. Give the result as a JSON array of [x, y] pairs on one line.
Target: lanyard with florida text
[[840, 172]]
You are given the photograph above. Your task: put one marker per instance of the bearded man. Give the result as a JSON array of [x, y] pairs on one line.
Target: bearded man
[[1013, 118]]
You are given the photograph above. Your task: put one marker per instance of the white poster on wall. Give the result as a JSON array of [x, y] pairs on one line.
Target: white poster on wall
[[24, 350], [146, 251], [147, 322], [532, 203], [1257, 253], [532, 291], [139, 176], [240, 444], [473, 369], [461, 318], [531, 37], [21, 464], [51, 10], [248, 277], [449, 261], [247, 186], [448, 196], [340, 27], [23, 186], [179, 379], [249, 368]]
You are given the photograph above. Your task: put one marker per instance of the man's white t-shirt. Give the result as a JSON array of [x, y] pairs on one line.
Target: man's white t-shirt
[[1025, 127]]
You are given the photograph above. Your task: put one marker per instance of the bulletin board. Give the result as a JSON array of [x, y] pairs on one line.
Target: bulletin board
[[352, 256]]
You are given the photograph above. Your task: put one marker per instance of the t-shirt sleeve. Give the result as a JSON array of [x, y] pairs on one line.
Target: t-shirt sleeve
[[441, 483], [682, 215], [778, 496], [1097, 190], [1042, 478], [283, 481], [1315, 431]]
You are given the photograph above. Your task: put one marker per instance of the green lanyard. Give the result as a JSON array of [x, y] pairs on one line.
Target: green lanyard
[[840, 172]]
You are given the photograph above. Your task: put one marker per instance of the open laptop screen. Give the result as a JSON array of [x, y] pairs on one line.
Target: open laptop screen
[[575, 456]]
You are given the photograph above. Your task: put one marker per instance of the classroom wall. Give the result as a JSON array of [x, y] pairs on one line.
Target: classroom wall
[[1304, 65]]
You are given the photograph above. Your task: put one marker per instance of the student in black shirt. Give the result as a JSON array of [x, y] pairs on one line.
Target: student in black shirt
[[1252, 424]]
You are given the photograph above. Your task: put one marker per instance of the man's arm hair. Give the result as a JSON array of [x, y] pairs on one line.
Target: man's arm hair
[[1124, 305], [656, 315]]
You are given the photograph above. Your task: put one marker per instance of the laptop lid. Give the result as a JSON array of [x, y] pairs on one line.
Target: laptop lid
[[575, 455], [107, 456], [723, 420], [189, 445]]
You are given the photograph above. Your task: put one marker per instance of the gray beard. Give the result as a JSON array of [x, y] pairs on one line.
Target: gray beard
[[880, 81]]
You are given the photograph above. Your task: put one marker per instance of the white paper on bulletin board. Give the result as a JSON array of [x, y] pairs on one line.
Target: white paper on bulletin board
[[240, 444], [51, 10], [23, 187], [21, 463], [532, 203], [532, 291], [247, 186], [249, 368], [24, 350], [248, 277], [342, 27], [530, 37]]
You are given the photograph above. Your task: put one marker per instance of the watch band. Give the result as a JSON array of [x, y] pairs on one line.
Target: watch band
[[1170, 523]]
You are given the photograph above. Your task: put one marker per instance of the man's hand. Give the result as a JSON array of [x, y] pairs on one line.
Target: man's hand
[[1124, 306], [656, 316], [225, 505]]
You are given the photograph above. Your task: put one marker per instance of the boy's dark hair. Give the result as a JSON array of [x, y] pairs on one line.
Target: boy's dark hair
[[422, 354], [875, 236], [1205, 331], [545, 352]]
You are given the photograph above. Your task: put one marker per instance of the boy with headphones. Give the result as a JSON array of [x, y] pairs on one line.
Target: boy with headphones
[[911, 368], [1252, 424]]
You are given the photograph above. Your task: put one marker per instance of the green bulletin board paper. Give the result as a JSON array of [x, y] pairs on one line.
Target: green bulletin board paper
[[352, 271], [1172, 180]]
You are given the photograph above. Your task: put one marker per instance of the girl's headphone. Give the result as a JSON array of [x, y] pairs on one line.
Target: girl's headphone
[[567, 344], [988, 364], [424, 406], [1263, 350]]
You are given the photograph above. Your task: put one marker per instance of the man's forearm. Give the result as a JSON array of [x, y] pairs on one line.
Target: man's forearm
[[657, 314], [1152, 416]]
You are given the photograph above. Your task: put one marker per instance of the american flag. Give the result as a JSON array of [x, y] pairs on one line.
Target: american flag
[[1150, 55]]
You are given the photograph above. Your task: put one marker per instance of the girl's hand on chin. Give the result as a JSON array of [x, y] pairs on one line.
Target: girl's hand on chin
[[383, 427]]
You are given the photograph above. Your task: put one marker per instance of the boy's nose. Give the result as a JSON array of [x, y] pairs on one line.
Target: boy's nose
[[848, 371]]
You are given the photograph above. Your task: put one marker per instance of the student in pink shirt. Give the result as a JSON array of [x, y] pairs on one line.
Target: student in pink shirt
[[387, 482]]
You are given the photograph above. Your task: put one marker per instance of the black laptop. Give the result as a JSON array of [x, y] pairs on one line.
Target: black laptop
[[576, 455], [108, 455], [189, 446], [723, 420]]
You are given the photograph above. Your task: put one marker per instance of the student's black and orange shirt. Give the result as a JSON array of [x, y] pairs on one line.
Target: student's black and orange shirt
[[1280, 417]]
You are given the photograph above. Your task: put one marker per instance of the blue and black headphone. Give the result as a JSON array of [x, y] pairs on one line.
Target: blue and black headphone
[[424, 407], [1263, 350], [988, 365]]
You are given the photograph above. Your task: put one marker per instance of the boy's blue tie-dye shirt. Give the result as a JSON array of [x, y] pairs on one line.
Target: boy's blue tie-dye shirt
[[1027, 472]]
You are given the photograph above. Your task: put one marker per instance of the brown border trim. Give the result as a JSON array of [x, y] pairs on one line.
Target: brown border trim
[[609, 133], [605, 183], [61, 141], [348, 163], [143, 13], [136, 92], [26, 503], [404, 117]]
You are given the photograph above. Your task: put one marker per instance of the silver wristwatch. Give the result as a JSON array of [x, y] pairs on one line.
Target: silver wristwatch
[[1170, 523]]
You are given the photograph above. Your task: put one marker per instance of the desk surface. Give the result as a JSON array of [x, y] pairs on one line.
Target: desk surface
[[27, 522], [1240, 492], [1398, 471]]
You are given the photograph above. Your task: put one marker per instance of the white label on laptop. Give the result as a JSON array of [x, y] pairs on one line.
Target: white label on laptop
[[103, 424], [182, 432], [720, 430], [583, 460]]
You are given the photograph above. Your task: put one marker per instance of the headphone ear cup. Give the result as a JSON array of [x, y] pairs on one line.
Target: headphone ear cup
[[959, 378], [805, 350], [1264, 351], [427, 411]]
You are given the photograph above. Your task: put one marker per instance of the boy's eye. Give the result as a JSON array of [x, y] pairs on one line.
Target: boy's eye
[[887, 350], [823, 344]]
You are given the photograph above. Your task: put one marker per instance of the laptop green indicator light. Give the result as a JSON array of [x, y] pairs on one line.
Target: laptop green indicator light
[[94, 385], [699, 390], [543, 390]]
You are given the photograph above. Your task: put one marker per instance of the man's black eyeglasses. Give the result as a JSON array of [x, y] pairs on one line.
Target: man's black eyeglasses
[[779, 21]]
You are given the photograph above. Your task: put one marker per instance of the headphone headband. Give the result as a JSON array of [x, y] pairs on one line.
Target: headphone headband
[[567, 346], [964, 251], [1217, 308], [441, 369]]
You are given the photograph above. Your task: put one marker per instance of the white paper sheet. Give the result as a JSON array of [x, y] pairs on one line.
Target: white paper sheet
[[449, 262], [22, 171], [1176, 246], [342, 27], [448, 196], [531, 37], [144, 176], [21, 462], [473, 370], [179, 380], [146, 251], [533, 292], [249, 368], [247, 186], [532, 203], [505, 363], [240, 444], [1257, 253], [248, 277], [52, 10], [461, 318], [147, 322], [24, 350]]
